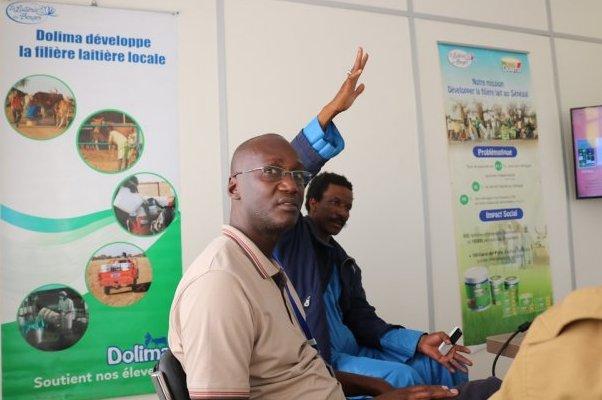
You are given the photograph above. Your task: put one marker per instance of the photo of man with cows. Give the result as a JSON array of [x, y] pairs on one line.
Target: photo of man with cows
[[145, 204], [40, 107], [110, 141], [53, 317]]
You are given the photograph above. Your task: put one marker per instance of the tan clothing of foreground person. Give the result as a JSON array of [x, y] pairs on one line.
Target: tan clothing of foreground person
[[561, 356]]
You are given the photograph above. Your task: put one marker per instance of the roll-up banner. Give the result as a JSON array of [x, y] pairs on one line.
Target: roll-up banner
[[500, 226], [90, 228]]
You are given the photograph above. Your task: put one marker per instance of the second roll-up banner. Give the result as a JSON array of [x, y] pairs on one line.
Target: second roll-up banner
[[90, 223], [500, 226]]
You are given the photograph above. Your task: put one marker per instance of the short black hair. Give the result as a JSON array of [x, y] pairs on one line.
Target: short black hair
[[319, 184]]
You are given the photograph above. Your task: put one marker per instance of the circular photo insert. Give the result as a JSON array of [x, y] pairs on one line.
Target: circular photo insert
[[110, 141], [52, 317], [119, 274], [40, 107], [145, 204]]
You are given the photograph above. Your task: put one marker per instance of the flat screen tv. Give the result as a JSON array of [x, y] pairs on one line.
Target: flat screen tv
[[586, 124]]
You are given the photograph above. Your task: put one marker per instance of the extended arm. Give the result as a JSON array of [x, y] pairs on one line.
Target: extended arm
[[320, 140], [358, 385]]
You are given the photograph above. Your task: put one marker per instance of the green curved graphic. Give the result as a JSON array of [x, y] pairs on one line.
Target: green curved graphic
[[52, 225]]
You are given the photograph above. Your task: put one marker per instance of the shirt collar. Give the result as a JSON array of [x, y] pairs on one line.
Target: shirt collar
[[265, 267]]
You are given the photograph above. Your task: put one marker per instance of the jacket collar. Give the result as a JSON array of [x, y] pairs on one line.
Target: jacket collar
[[265, 267], [314, 232], [332, 244]]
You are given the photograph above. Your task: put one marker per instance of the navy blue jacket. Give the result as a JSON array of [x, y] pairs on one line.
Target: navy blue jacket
[[308, 263]]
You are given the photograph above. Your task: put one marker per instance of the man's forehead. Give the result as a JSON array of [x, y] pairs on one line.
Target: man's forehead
[[289, 163], [280, 157], [335, 190], [264, 150]]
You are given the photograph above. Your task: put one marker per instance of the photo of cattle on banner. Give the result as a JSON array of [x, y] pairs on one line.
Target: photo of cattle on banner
[[40, 107], [110, 141], [53, 317], [145, 204], [119, 274]]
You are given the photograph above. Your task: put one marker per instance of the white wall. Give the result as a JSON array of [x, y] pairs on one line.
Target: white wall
[[580, 17], [517, 13], [294, 63], [580, 78], [285, 59], [389, 4]]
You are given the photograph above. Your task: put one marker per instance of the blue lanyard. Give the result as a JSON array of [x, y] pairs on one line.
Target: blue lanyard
[[310, 339], [301, 320]]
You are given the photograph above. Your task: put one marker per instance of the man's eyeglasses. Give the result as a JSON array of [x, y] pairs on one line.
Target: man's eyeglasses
[[272, 173]]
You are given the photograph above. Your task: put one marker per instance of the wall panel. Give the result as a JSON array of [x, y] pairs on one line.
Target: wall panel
[[580, 17], [390, 4], [519, 13]]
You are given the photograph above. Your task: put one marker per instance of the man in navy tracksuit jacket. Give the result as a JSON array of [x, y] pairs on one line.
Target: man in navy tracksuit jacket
[[365, 344]]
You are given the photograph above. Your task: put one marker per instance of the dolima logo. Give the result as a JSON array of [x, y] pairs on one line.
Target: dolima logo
[[151, 350], [29, 13], [460, 58]]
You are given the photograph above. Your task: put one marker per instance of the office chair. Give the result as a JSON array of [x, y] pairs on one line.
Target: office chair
[[169, 378]]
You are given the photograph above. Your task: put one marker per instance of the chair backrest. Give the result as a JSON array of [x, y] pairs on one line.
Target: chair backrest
[[169, 378]]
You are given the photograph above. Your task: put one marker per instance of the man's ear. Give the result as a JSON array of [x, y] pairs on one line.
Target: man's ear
[[312, 205], [233, 188]]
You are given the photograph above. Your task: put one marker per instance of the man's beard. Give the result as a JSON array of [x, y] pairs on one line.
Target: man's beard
[[268, 226]]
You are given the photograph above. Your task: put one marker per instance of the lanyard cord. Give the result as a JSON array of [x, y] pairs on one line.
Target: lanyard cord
[[303, 323], [301, 320]]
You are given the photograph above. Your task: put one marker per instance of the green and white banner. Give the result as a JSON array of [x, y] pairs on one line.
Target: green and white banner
[[500, 227], [90, 241]]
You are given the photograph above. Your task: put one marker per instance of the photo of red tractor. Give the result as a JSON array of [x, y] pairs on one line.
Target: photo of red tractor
[[118, 274]]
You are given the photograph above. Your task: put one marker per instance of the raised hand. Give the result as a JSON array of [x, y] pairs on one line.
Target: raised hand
[[348, 92]]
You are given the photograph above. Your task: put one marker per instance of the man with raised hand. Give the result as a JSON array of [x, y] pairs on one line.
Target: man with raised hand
[[414, 357]]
